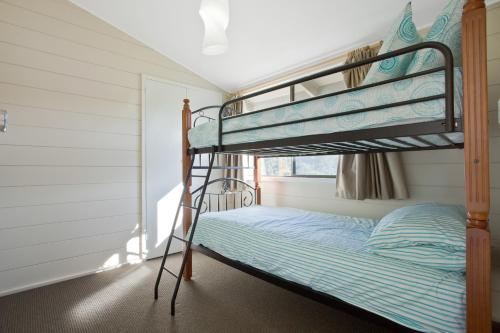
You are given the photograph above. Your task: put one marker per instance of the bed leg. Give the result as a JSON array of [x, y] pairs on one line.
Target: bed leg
[[476, 153], [478, 276], [186, 165], [256, 177]]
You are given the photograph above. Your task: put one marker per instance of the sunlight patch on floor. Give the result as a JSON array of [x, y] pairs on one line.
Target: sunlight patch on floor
[[91, 307]]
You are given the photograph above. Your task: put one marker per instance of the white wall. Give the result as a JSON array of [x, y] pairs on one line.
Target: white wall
[[431, 175], [70, 161]]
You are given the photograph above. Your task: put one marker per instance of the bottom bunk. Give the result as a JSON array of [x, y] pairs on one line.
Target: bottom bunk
[[327, 257]]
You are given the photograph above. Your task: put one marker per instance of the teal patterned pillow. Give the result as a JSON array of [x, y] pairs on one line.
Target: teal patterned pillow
[[402, 34], [446, 29]]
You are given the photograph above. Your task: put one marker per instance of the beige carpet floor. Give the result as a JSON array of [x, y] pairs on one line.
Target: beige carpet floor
[[219, 299]]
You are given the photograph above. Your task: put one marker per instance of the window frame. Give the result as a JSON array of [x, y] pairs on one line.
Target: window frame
[[294, 169]]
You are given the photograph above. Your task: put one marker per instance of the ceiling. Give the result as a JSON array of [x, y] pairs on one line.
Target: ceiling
[[266, 37]]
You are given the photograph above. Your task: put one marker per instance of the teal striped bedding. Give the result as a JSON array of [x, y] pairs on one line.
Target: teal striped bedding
[[206, 134], [329, 254]]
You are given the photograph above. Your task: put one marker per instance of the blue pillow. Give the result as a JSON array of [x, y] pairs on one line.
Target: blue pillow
[[446, 29], [429, 256], [402, 34], [429, 224]]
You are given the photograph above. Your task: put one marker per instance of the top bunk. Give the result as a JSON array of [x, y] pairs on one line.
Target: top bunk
[[417, 111]]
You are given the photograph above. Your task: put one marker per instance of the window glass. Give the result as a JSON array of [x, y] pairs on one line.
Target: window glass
[[317, 166]]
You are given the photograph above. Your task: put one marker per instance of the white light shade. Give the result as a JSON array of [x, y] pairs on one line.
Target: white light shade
[[215, 16]]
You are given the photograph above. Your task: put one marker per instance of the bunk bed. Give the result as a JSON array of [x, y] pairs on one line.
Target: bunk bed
[[451, 113]]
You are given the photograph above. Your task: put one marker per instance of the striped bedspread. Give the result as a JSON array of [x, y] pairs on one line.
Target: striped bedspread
[[327, 253]]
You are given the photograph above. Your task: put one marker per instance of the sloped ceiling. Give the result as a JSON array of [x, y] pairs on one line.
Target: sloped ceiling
[[266, 37]]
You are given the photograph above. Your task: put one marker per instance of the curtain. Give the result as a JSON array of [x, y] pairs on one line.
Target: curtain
[[233, 160], [374, 175]]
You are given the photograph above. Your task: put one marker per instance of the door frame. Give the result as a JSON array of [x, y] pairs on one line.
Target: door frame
[[144, 78]]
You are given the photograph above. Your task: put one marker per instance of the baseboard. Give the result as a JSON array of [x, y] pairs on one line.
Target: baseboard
[[62, 279]]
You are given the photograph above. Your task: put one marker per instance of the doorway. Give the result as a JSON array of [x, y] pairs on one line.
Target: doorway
[[161, 158]]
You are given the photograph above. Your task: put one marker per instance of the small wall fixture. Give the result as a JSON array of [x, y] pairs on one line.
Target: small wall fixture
[[498, 110], [215, 16], [4, 116]]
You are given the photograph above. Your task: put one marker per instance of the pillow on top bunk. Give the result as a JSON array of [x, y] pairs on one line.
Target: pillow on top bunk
[[402, 34], [429, 224], [446, 29]]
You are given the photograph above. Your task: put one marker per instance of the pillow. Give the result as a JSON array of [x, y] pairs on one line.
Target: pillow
[[446, 29], [429, 256], [402, 34], [430, 224]]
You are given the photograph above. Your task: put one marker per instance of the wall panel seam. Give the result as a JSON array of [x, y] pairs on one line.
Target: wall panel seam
[[67, 202], [69, 221], [68, 239], [71, 94], [69, 75], [61, 259], [137, 43], [114, 53], [72, 112]]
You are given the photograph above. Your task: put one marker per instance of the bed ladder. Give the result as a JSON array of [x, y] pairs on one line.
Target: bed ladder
[[189, 241]]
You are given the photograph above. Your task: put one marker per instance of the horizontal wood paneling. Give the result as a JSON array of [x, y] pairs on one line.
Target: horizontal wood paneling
[[55, 232], [32, 58], [493, 46], [70, 162], [43, 253], [493, 94], [41, 41], [49, 175], [23, 216], [494, 69], [41, 79], [492, 22], [69, 14], [50, 194], [59, 270], [14, 14], [42, 98], [60, 156], [50, 137], [47, 118]]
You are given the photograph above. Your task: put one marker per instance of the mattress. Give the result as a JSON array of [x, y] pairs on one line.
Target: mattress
[[206, 134], [327, 253]]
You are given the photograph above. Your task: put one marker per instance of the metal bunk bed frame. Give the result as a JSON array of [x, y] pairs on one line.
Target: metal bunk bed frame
[[335, 143], [474, 125]]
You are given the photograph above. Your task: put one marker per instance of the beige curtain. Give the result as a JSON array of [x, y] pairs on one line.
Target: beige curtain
[[368, 176], [230, 159]]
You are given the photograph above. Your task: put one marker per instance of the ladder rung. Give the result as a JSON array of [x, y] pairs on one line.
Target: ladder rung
[[171, 273], [221, 168], [187, 206], [199, 176], [178, 238]]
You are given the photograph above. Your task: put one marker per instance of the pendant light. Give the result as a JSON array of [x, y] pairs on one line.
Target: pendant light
[[215, 16]]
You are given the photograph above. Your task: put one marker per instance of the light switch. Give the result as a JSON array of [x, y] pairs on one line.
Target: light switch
[[3, 121]]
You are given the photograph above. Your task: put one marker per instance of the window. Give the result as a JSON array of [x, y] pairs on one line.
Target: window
[[300, 166]]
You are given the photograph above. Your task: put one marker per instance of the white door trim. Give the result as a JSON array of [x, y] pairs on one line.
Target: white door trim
[[144, 78]]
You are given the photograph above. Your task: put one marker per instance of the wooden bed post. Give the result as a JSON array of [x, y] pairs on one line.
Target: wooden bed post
[[256, 178], [477, 182], [186, 162]]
